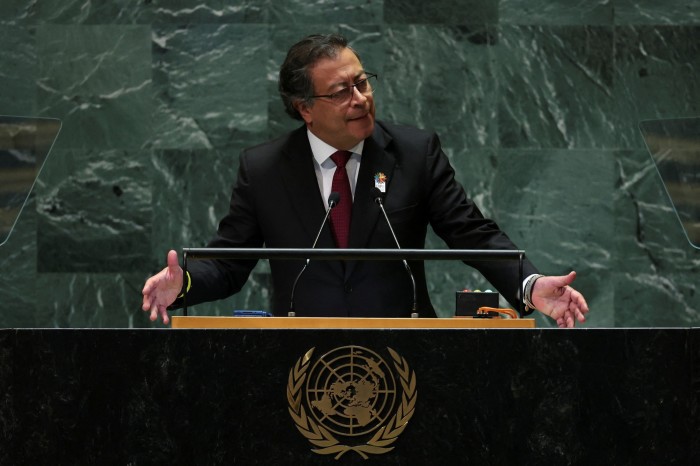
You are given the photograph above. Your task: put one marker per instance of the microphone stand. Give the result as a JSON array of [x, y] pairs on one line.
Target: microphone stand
[[378, 199], [333, 201]]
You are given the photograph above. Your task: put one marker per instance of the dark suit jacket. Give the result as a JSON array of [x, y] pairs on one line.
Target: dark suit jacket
[[276, 202]]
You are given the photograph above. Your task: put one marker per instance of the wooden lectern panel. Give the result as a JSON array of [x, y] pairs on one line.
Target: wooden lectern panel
[[345, 322]]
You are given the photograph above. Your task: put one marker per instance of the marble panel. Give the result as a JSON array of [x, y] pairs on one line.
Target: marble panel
[[442, 78], [655, 77], [211, 11], [669, 12], [94, 211], [148, 11], [558, 13], [440, 12], [322, 12], [664, 298], [191, 193], [15, 12], [91, 12], [209, 83], [657, 271], [97, 80], [647, 230], [556, 87], [567, 226], [18, 67], [100, 300], [476, 170]]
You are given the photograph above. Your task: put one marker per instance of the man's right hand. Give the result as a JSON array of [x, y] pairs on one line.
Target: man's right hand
[[161, 290]]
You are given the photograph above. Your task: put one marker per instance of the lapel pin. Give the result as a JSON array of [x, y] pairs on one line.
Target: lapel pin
[[380, 181]]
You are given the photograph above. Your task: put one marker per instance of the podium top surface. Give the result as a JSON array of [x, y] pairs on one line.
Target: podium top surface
[[344, 323]]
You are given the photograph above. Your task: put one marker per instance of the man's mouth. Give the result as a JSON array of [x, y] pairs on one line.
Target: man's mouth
[[358, 117]]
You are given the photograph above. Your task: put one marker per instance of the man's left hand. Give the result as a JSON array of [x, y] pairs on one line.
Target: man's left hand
[[553, 297]]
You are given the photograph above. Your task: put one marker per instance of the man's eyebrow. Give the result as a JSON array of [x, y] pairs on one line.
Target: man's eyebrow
[[343, 84]]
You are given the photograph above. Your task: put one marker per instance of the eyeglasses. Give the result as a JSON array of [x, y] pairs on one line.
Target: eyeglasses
[[343, 96]]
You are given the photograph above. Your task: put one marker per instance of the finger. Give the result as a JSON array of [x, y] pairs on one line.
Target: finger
[[564, 280], [570, 322], [146, 306], [150, 285], [164, 314], [173, 263], [580, 306], [580, 300], [154, 313], [580, 316], [147, 287], [553, 285]]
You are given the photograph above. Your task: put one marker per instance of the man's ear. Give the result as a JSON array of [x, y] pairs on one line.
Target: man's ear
[[304, 110]]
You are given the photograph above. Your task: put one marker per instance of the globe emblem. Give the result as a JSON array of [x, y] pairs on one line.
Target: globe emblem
[[351, 391]]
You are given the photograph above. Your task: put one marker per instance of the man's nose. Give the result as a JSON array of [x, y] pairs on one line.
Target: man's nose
[[357, 96]]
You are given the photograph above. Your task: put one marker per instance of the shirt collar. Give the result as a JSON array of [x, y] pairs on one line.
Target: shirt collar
[[323, 151]]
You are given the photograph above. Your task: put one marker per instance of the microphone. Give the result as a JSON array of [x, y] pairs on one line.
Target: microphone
[[333, 200], [378, 195]]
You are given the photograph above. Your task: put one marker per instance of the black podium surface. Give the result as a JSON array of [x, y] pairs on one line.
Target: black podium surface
[[479, 397]]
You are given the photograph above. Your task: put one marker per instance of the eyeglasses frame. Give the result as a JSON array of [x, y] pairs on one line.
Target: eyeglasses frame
[[358, 83]]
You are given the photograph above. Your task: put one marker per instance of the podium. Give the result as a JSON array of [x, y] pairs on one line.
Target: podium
[[345, 323], [462, 396]]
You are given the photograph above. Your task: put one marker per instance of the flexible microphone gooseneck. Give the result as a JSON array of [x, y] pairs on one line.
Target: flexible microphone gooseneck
[[377, 195], [333, 200]]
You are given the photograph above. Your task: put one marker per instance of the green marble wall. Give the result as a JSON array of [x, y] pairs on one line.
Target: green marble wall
[[537, 105]]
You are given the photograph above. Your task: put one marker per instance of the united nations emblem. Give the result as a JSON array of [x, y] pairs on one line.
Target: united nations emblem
[[350, 400]]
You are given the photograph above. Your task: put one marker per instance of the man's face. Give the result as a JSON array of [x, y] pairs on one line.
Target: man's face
[[341, 126]]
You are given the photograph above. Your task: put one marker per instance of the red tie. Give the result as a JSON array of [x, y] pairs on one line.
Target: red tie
[[342, 213]]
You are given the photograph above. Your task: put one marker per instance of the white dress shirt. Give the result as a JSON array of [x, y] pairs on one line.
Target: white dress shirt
[[325, 167]]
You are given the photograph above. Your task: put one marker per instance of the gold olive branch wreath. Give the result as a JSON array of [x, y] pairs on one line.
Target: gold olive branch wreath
[[322, 438]]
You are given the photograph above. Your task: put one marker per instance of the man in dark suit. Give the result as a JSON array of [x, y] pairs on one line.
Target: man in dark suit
[[280, 196]]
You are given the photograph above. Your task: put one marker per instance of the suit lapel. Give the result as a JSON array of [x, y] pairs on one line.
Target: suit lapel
[[301, 186], [365, 213]]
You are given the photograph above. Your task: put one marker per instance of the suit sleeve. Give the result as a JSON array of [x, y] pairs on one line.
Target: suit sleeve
[[460, 223]]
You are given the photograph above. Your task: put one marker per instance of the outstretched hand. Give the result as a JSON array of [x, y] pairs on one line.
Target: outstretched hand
[[161, 290], [554, 297]]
